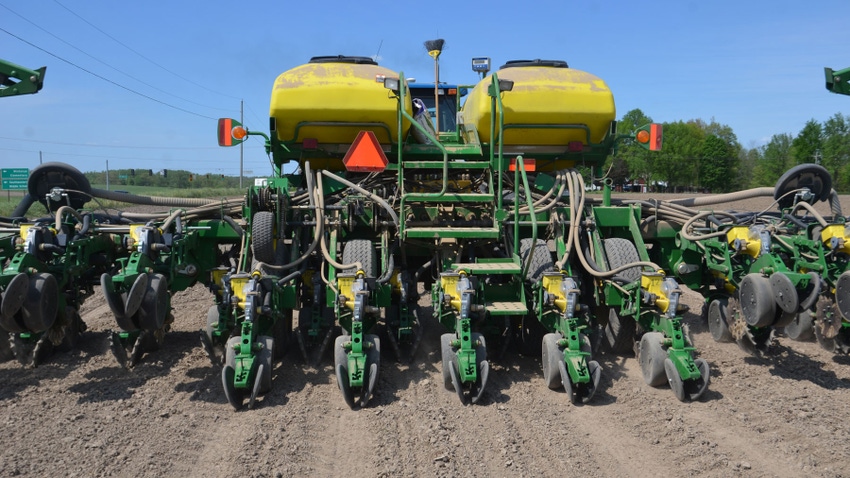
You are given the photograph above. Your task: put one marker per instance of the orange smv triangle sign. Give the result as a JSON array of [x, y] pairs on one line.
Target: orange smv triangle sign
[[365, 154]]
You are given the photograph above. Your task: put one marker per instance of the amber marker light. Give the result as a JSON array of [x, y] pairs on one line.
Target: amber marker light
[[238, 132]]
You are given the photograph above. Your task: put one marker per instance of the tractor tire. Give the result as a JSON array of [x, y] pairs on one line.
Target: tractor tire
[[362, 251], [621, 252], [620, 333], [541, 259], [262, 237]]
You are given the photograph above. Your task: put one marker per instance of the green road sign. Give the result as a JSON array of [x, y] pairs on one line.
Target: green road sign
[[14, 173], [14, 184], [14, 178]]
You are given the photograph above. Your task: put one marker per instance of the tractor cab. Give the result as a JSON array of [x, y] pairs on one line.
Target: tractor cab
[[448, 99]]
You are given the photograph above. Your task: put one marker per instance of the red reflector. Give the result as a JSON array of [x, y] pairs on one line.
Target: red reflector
[[528, 164], [310, 143], [576, 146], [365, 154], [224, 127], [452, 91], [655, 137]]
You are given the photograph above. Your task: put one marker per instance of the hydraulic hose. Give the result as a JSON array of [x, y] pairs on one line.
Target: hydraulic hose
[[320, 204], [151, 200], [722, 198], [592, 270], [23, 206], [371, 196]]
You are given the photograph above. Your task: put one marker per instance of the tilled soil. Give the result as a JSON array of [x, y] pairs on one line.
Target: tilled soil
[[81, 414]]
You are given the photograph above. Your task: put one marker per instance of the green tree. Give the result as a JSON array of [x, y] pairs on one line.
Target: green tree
[[638, 161], [747, 161], [806, 147], [715, 164], [775, 160], [836, 150], [677, 162]]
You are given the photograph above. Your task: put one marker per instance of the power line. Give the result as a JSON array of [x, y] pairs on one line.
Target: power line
[[110, 66], [106, 79], [134, 158], [60, 143], [142, 56]]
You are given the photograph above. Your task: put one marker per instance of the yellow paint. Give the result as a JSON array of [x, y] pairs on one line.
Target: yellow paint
[[344, 285], [395, 280], [752, 245], [217, 275], [652, 284], [238, 284], [836, 230], [449, 283], [335, 92], [545, 95], [552, 284]]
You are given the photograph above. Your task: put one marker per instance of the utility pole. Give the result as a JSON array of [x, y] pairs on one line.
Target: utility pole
[[39, 158], [107, 175], [817, 157], [242, 143]]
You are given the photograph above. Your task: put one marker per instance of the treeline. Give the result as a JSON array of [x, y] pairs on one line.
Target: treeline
[[166, 178], [699, 155]]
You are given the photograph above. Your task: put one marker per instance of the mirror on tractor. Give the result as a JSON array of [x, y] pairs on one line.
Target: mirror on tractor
[[650, 136], [230, 132]]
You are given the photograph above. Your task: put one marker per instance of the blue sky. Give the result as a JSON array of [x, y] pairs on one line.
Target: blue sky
[[756, 66]]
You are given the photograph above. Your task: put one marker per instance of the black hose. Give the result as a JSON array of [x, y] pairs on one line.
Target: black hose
[[85, 227], [23, 206], [390, 265], [151, 200], [229, 220], [794, 219]]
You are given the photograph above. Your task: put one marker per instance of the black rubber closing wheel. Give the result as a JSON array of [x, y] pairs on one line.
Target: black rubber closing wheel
[[758, 305], [13, 298], [620, 332], [154, 308], [373, 366], [262, 237], [810, 295], [447, 356], [718, 320], [552, 355], [47, 176], [651, 357], [783, 318], [136, 294], [364, 252], [842, 295], [228, 375], [696, 387], [541, 259], [42, 303], [341, 369], [801, 328], [674, 379], [14, 295], [813, 177]]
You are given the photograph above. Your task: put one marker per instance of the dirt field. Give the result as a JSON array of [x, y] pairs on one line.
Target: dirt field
[[80, 414]]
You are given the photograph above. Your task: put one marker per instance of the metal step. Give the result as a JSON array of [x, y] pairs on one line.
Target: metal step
[[489, 267], [453, 164], [449, 197], [506, 308], [451, 232]]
